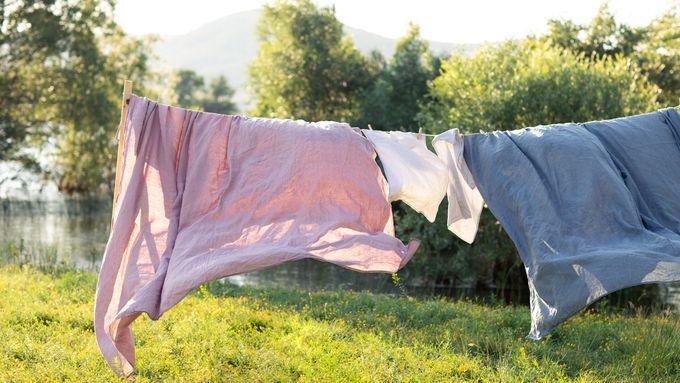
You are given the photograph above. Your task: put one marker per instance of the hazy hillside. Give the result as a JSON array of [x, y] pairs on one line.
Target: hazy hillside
[[227, 45]]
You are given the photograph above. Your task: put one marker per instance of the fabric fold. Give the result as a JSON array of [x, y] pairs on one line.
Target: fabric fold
[[592, 208], [204, 196], [465, 201], [415, 175]]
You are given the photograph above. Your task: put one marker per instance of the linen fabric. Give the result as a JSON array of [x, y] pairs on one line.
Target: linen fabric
[[204, 196], [592, 208], [465, 201], [415, 175]]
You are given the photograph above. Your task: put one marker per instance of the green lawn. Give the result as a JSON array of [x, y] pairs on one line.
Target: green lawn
[[232, 334]]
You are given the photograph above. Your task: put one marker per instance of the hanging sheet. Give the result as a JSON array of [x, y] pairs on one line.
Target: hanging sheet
[[592, 208], [204, 196]]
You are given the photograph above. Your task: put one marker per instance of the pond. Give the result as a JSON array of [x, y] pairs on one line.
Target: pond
[[76, 230]]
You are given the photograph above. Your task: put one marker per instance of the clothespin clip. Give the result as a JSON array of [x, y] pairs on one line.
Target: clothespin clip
[[420, 132], [370, 127]]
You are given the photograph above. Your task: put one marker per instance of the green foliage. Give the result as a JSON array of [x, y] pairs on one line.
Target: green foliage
[[393, 101], [515, 85], [305, 68], [24, 48], [224, 333], [660, 57], [219, 98], [192, 93], [602, 37], [506, 87], [188, 84], [655, 48], [91, 110], [63, 66]]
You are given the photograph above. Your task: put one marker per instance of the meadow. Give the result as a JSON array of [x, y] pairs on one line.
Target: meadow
[[226, 333]]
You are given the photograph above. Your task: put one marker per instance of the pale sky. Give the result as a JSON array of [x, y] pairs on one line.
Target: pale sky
[[450, 21]]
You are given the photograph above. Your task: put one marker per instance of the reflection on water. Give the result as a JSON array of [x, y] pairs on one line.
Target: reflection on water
[[77, 230]]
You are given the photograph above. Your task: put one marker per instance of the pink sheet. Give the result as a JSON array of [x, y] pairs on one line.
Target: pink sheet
[[204, 196]]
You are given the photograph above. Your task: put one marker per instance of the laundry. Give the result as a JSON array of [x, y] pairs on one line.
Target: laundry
[[464, 200], [592, 208], [204, 196], [415, 174]]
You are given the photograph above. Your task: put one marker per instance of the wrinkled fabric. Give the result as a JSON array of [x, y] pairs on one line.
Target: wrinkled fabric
[[415, 175], [465, 201], [204, 196], [592, 208]]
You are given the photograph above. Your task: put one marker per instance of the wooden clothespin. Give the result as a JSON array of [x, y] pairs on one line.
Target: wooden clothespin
[[370, 127], [420, 132], [127, 93]]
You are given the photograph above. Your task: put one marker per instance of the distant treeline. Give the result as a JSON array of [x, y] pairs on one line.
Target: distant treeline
[[63, 63]]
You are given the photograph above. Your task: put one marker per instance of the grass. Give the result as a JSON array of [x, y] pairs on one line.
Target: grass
[[232, 334]]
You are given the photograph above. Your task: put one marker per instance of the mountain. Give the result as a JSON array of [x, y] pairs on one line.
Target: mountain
[[227, 45]]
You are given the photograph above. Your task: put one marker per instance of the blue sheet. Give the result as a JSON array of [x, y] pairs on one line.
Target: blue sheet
[[592, 208]]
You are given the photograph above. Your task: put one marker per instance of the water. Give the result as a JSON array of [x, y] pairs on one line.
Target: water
[[77, 230]]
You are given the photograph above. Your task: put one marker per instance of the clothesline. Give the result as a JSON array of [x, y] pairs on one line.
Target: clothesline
[[420, 132]]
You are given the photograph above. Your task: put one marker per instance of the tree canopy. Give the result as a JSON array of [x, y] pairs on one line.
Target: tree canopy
[[394, 100], [63, 65], [192, 93], [655, 48], [305, 67], [530, 83], [188, 85]]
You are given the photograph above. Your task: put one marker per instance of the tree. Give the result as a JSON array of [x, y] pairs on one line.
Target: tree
[[189, 85], [91, 111], [305, 68], [63, 65], [408, 73], [192, 93], [29, 37], [505, 87], [602, 37], [514, 85], [393, 102], [660, 56], [219, 97], [374, 102], [655, 48]]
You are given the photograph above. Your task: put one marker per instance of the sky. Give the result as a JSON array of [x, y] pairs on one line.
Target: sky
[[453, 21]]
